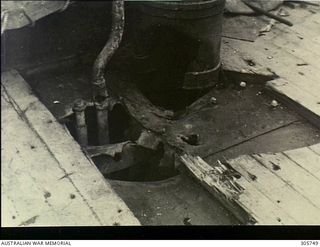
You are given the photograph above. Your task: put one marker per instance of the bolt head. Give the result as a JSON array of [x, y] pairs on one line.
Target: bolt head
[[243, 84], [274, 103]]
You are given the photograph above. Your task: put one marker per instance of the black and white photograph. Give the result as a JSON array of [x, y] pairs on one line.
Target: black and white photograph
[[184, 113]]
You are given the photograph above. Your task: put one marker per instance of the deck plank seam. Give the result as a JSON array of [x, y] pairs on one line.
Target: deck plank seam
[[310, 148], [300, 165], [19, 111], [250, 138], [264, 194], [289, 184]]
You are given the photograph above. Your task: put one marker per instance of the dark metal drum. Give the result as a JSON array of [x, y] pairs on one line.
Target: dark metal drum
[[200, 21]]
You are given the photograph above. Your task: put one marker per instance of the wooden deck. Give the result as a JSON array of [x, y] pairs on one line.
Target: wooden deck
[[278, 188], [290, 53], [46, 180], [58, 182], [266, 189]]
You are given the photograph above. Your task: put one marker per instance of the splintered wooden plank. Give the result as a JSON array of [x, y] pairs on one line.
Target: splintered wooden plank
[[301, 180], [281, 188], [57, 183], [276, 190], [306, 158], [239, 195]]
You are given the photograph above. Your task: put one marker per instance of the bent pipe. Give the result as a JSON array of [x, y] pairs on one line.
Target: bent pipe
[[100, 92], [118, 20]]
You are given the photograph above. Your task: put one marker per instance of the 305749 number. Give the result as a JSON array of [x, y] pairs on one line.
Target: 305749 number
[[309, 243]]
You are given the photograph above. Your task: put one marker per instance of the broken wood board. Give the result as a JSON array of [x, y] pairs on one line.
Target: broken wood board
[[292, 54], [55, 181], [276, 189]]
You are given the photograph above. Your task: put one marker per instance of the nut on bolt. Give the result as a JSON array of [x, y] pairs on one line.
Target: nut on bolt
[[79, 105], [102, 105]]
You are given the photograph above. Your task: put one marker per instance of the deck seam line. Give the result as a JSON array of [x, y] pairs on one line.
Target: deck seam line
[[289, 184], [299, 165], [310, 148], [18, 109], [250, 138], [266, 196]]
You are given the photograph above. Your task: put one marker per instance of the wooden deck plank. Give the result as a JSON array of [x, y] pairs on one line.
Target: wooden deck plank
[[307, 185], [291, 53], [262, 208], [315, 148], [280, 62], [233, 60], [309, 28], [301, 101], [276, 190], [307, 159], [35, 172], [292, 44], [57, 166], [303, 33], [271, 188], [251, 200]]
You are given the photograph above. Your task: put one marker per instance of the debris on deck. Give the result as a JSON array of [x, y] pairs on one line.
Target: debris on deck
[[158, 111], [265, 189]]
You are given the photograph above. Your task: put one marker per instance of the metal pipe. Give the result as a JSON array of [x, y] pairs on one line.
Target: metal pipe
[[81, 127], [100, 93], [4, 20], [102, 109], [118, 20]]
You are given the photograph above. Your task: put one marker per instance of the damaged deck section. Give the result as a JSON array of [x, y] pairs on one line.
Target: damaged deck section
[[290, 53], [277, 188], [46, 180], [266, 189]]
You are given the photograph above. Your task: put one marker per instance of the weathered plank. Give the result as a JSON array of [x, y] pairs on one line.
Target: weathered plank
[[308, 159], [279, 61], [286, 169], [58, 183], [233, 60], [299, 100], [277, 190], [315, 148], [237, 193], [291, 53]]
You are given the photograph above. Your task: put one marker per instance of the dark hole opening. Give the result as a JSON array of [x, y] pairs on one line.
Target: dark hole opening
[[144, 163], [169, 57], [192, 139]]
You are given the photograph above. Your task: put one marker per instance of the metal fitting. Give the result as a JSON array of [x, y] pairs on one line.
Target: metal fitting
[[102, 109], [79, 107]]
